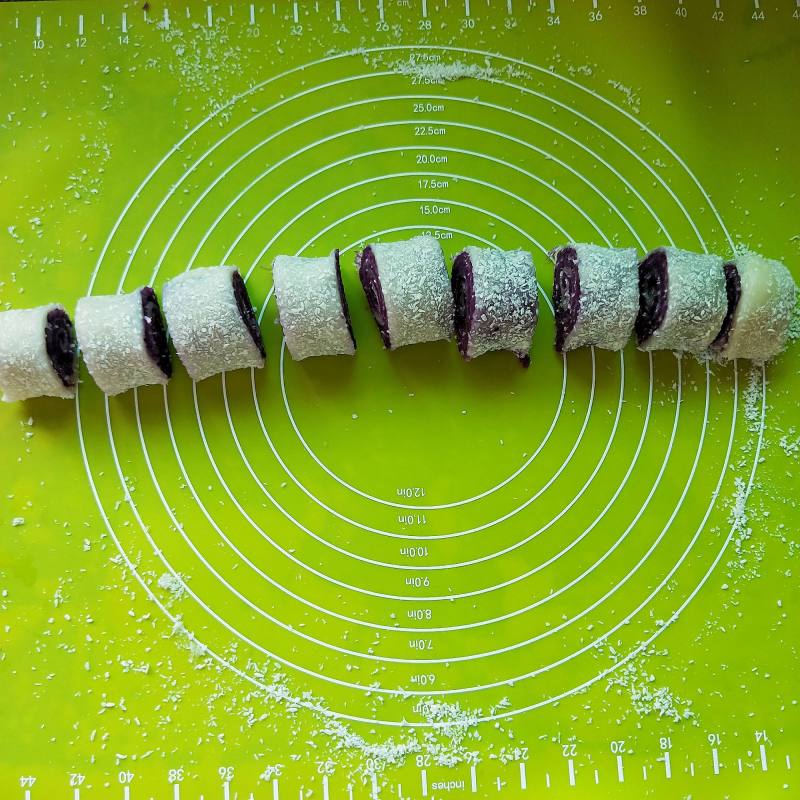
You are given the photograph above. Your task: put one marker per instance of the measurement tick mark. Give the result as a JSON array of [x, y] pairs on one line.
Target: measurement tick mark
[[571, 770], [473, 777], [715, 760], [252, 14], [763, 751], [325, 787], [667, 765], [374, 786], [523, 778], [620, 770], [423, 776]]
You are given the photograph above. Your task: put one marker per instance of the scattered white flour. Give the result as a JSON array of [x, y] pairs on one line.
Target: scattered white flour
[[752, 399], [444, 71]]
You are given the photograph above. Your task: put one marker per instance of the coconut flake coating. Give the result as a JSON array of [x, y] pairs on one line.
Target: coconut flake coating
[[496, 301], [114, 332], [408, 290], [312, 307], [682, 300], [38, 355], [211, 322], [595, 296], [760, 325]]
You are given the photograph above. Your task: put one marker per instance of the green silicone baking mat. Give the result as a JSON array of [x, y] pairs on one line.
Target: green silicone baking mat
[[398, 575]]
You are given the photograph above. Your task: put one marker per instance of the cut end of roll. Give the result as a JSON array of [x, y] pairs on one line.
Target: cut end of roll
[[246, 311], [155, 332], [566, 294], [343, 297], [62, 350], [733, 291], [463, 286], [653, 295], [371, 283]]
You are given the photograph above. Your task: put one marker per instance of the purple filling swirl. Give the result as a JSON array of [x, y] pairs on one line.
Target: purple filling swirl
[[246, 312], [371, 282], [155, 334], [462, 284], [343, 298], [733, 290], [566, 295], [653, 295], [59, 341]]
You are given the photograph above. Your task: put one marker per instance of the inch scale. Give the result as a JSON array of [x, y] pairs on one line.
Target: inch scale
[[556, 748], [522, 777]]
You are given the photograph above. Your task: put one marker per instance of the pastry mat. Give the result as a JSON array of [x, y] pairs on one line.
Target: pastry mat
[[398, 575]]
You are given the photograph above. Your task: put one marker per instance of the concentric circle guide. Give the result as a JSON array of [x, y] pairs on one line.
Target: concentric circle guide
[[251, 434]]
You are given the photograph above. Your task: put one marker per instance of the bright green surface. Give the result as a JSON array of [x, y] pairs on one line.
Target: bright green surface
[[595, 546]]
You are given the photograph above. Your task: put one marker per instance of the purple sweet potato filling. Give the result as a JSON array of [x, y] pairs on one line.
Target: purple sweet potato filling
[[566, 294], [653, 293], [733, 289], [343, 298], [59, 341], [246, 311], [463, 286], [371, 281], [155, 334]]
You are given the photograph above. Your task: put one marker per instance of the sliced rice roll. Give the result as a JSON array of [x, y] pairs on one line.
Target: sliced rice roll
[[496, 301], [408, 290], [682, 301], [38, 354], [761, 303], [211, 322], [123, 340], [312, 306], [595, 296]]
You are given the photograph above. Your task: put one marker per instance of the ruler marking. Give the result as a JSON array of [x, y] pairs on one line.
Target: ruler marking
[[166, 18], [424, 779], [620, 770], [552, 6], [691, 768], [80, 24], [77, 794], [789, 760], [295, 13], [338, 11], [716, 3], [226, 791], [523, 778], [350, 791], [380, 10], [571, 771], [252, 14], [325, 795], [667, 765], [757, 4], [38, 27], [596, 777], [473, 777], [509, 8], [547, 779], [715, 760], [466, 7], [739, 763], [27, 794], [374, 786], [275, 791], [176, 791], [424, 9], [400, 790], [763, 751], [126, 793], [124, 22], [209, 17]]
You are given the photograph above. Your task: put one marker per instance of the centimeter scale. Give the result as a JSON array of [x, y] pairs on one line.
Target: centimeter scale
[[398, 575]]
